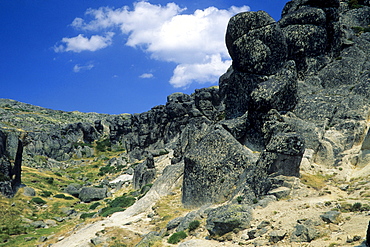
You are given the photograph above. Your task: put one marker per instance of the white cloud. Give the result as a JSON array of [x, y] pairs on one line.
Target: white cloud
[[146, 76], [77, 68], [193, 41], [208, 71], [81, 43]]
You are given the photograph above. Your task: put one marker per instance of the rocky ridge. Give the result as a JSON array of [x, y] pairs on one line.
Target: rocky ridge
[[294, 104]]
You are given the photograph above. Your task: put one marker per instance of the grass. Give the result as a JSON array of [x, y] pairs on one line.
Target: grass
[[317, 182], [168, 208]]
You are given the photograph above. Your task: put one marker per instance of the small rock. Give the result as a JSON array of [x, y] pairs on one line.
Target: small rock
[[344, 187], [263, 224], [331, 217], [280, 192], [50, 222], [29, 239], [172, 224], [28, 191], [38, 224], [96, 241], [59, 219], [43, 239], [276, 236]]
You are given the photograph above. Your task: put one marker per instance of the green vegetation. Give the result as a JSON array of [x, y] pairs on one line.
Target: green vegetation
[[117, 205], [177, 237], [104, 145], [194, 225], [239, 199], [46, 193], [38, 200], [356, 207], [87, 215], [353, 4], [360, 30], [94, 206], [10, 223]]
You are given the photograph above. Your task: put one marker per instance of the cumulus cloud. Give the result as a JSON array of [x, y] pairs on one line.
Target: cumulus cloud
[[77, 68], [195, 42], [146, 76], [82, 43]]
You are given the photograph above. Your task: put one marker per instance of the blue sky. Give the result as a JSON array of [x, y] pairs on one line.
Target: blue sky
[[114, 56]]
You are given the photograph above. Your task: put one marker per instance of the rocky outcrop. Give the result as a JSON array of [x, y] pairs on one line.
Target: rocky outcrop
[[11, 150], [227, 218], [88, 194], [144, 173], [164, 125], [213, 168]]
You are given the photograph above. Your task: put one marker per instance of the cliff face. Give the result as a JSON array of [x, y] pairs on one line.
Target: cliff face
[[11, 149]]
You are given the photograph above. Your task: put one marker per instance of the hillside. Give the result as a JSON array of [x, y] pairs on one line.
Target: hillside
[[276, 155]]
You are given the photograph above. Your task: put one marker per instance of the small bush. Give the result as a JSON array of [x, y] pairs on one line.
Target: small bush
[[177, 237], [194, 225], [122, 201], [59, 196], [239, 199], [46, 193], [69, 198], [38, 200], [49, 180], [109, 211], [103, 145], [87, 215], [58, 174], [95, 205]]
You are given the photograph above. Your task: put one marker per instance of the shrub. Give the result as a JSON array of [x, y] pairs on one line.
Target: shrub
[[353, 4], [87, 215], [58, 174], [46, 193], [239, 199], [103, 145], [109, 211], [95, 205], [177, 237], [68, 198], [122, 201], [49, 180], [194, 225], [38, 200], [59, 196]]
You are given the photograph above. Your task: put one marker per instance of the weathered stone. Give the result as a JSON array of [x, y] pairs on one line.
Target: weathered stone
[[227, 218], [144, 173], [278, 92], [213, 168], [28, 191], [331, 217], [304, 15], [276, 236], [304, 233], [38, 224], [241, 23], [88, 194], [149, 239], [262, 51], [172, 224], [73, 189]]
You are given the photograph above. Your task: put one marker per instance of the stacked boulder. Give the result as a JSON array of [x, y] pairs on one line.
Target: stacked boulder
[[254, 143]]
